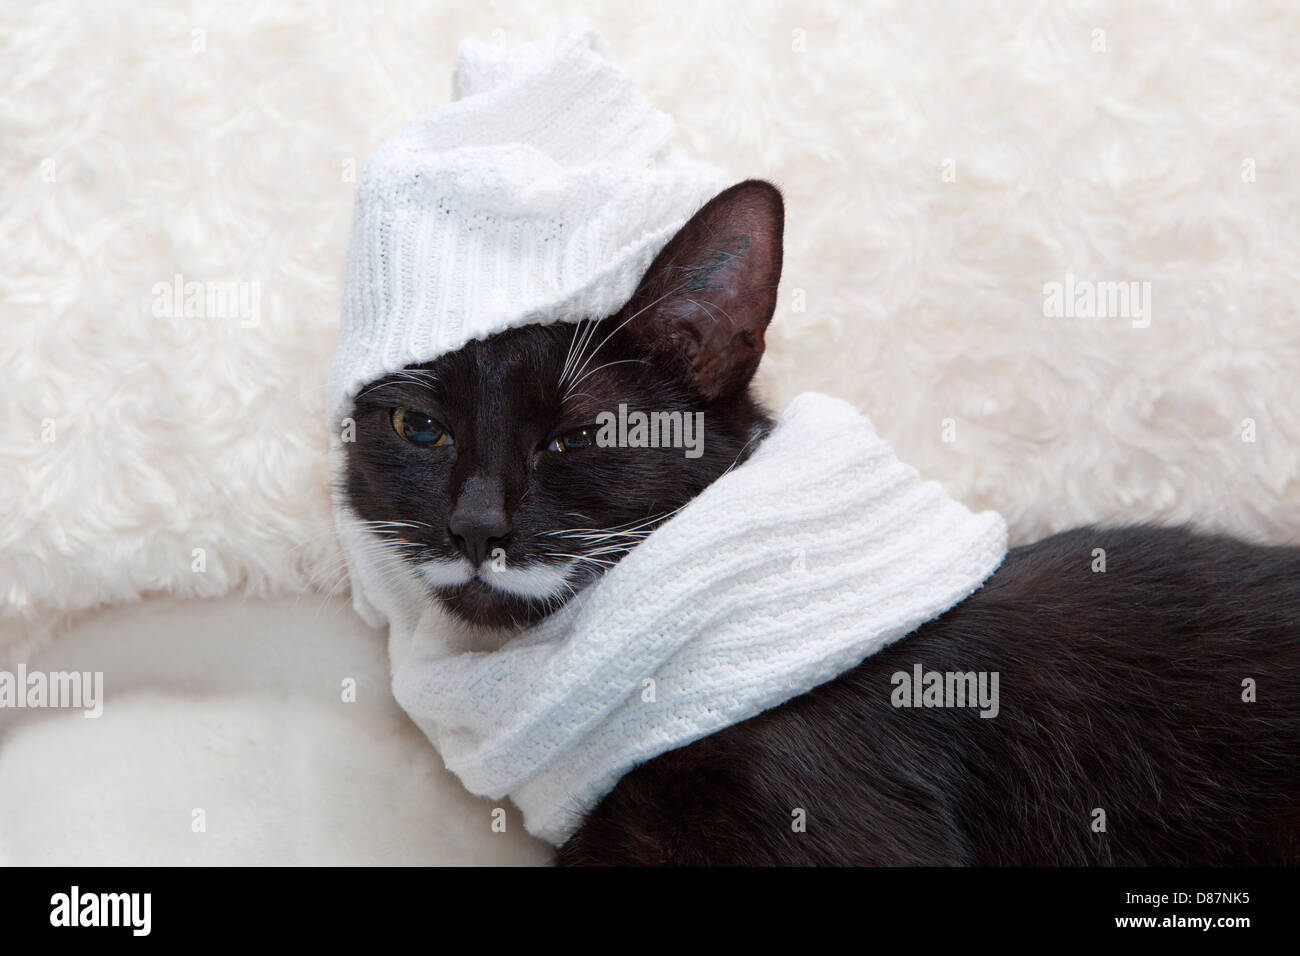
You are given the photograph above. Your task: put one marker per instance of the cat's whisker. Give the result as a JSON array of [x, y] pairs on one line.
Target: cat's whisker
[[577, 344], [393, 524], [597, 535], [606, 365], [556, 600], [627, 527], [381, 549], [610, 549], [578, 352], [417, 376], [741, 454], [710, 308], [569, 352], [310, 540], [620, 326], [596, 561]]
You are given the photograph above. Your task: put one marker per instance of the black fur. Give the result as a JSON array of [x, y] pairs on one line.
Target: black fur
[[500, 401], [1120, 691]]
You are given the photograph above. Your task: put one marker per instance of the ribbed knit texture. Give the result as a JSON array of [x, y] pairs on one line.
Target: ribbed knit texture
[[784, 573], [541, 193]]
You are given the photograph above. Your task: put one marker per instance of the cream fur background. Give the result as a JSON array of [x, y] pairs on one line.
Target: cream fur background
[[941, 163], [225, 740], [216, 141]]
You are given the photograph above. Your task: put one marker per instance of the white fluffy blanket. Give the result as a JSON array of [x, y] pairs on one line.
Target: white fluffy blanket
[[237, 732], [942, 164]]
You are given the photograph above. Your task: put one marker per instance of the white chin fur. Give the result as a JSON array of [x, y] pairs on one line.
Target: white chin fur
[[539, 581]]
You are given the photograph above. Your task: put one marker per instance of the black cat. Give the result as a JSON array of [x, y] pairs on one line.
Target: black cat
[[1154, 718]]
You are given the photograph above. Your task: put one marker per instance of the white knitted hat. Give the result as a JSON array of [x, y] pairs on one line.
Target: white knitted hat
[[541, 193]]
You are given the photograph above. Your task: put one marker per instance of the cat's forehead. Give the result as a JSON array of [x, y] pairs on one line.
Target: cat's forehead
[[527, 349], [564, 359], [568, 368]]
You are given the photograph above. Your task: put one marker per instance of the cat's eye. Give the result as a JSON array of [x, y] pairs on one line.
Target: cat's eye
[[582, 438], [419, 428]]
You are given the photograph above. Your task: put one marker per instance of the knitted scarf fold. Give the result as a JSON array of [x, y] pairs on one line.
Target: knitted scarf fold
[[787, 571]]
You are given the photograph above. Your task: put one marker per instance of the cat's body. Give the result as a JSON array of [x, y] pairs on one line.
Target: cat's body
[[1125, 732], [1122, 692]]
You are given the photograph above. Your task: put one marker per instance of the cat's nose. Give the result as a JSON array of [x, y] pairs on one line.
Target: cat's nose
[[476, 533]]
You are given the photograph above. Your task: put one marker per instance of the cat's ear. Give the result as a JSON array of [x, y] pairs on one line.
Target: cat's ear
[[707, 298]]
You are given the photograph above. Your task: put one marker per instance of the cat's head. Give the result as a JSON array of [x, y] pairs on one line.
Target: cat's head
[[511, 473]]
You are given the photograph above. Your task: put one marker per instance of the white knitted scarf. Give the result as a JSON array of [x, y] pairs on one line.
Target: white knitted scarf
[[787, 571], [540, 194]]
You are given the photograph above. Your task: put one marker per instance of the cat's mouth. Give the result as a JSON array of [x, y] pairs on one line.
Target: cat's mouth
[[499, 595]]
